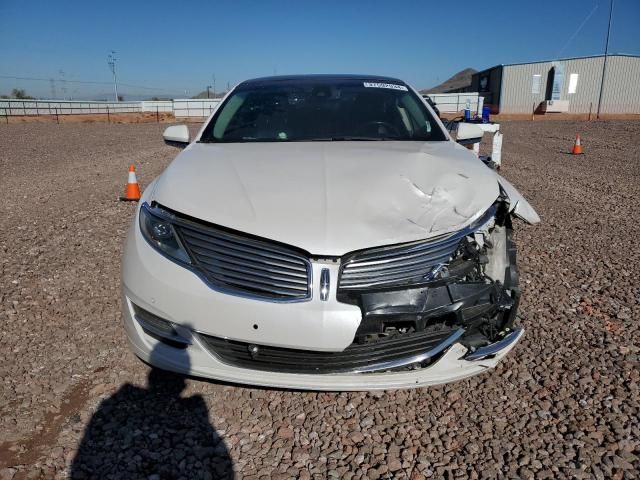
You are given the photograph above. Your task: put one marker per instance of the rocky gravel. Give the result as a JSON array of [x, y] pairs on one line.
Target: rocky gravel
[[75, 403]]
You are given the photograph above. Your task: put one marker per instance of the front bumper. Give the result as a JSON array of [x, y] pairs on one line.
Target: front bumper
[[196, 360], [179, 296]]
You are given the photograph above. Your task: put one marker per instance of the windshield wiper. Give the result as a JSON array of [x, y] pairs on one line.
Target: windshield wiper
[[344, 138], [379, 139], [360, 139]]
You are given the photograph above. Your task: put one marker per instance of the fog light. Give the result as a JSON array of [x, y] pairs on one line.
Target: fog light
[[159, 328]]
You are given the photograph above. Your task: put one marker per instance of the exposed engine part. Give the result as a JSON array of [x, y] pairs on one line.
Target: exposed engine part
[[477, 289]]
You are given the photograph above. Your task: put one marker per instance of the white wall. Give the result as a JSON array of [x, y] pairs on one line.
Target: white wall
[[190, 107], [157, 106]]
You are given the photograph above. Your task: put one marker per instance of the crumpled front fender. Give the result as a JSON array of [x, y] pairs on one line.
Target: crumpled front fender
[[518, 205]]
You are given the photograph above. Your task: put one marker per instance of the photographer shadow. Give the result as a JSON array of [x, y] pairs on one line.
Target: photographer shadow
[[152, 433]]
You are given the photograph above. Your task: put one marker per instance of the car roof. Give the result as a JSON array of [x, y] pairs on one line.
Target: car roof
[[319, 77]]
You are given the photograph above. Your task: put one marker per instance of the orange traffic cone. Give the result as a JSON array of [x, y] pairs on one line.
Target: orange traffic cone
[[132, 190], [577, 148]]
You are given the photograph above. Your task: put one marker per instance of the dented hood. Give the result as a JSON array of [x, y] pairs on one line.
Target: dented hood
[[330, 198]]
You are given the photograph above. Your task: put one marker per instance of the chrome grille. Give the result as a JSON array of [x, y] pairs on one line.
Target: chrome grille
[[396, 265], [408, 263], [244, 265]]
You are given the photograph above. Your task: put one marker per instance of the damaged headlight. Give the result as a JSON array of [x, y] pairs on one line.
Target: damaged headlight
[[156, 228]]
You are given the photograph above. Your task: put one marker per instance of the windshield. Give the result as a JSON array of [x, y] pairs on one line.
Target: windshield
[[322, 110]]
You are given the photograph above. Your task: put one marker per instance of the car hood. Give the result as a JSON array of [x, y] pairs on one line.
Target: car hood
[[330, 198]]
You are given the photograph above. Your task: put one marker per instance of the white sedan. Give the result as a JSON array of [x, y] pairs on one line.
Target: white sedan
[[324, 232]]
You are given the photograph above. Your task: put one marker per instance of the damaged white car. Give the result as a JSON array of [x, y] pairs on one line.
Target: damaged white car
[[324, 232]]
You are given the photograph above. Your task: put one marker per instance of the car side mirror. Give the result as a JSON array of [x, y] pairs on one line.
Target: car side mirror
[[468, 133], [176, 135]]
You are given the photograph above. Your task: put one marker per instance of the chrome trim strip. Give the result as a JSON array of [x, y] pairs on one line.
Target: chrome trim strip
[[495, 348], [402, 362]]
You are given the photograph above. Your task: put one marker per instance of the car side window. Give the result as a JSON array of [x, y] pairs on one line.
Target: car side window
[[421, 122], [227, 115]]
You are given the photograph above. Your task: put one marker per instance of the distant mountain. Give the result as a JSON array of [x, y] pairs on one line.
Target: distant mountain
[[459, 80]]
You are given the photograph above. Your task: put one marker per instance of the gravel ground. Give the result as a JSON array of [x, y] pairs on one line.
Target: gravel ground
[[73, 399]]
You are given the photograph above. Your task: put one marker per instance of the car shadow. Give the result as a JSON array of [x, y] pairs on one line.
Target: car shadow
[[152, 433]]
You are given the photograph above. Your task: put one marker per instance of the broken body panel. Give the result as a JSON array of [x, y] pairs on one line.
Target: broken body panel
[[476, 290]]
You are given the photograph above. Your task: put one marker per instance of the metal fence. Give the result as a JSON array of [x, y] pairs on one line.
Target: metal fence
[[180, 107], [457, 102], [13, 107]]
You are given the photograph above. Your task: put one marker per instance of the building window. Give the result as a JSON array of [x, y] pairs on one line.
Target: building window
[[535, 84], [484, 83], [573, 82]]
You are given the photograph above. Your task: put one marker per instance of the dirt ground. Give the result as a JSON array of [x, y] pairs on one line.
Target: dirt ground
[[146, 117], [73, 399]]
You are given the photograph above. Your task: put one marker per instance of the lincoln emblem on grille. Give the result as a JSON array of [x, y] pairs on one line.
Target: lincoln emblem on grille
[[324, 284]]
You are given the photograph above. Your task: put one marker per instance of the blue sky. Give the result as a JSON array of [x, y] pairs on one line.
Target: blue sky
[[178, 46]]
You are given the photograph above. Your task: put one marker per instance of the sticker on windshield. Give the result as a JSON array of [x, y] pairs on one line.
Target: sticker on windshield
[[392, 86]]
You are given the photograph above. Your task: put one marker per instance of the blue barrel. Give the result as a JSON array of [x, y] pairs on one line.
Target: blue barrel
[[467, 115], [486, 112]]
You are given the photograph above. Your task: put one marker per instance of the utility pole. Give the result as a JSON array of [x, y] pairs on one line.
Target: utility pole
[[208, 87], [64, 85], [52, 84], [604, 63], [214, 85], [111, 61]]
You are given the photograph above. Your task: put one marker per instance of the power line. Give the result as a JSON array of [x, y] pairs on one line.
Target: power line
[[580, 27]]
